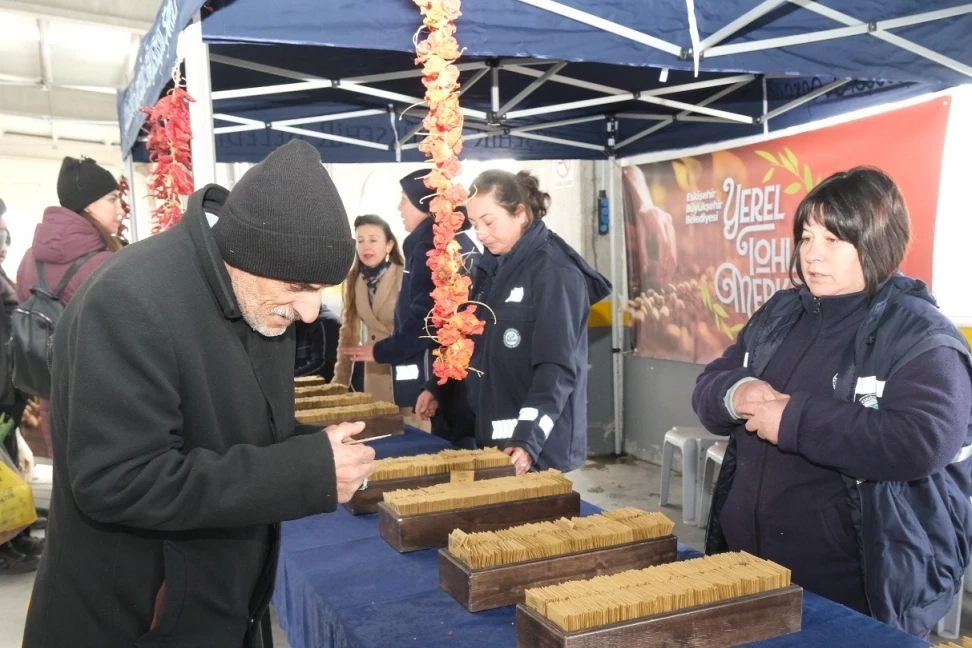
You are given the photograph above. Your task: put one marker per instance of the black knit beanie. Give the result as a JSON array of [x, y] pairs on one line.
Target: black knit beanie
[[82, 182], [285, 220], [414, 187]]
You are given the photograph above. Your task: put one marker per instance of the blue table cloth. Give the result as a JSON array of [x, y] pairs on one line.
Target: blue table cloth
[[340, 584]]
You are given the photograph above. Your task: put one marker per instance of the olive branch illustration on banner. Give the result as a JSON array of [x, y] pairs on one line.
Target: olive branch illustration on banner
[[718, 312], [788, 161]]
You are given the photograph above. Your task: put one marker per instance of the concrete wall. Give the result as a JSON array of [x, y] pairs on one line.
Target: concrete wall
[[657, 397]]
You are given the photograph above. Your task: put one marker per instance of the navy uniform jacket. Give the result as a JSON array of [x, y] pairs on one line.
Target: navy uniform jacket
[[409, 349], [533, 390], [897, 429]]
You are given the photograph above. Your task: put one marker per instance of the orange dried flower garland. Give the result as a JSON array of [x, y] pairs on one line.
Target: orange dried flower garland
[[453, 317]]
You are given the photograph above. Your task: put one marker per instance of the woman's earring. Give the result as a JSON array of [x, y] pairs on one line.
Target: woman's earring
[[388, 257]]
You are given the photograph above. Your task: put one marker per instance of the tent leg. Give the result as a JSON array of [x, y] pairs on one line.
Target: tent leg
[[765, 109], [132, 203], [394, 126], [196, 55], [617, 323]]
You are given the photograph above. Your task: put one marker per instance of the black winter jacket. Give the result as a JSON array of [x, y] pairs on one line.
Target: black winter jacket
[[176, 455]]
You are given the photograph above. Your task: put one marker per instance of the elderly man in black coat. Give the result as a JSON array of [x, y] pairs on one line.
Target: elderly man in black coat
[[176, 452]]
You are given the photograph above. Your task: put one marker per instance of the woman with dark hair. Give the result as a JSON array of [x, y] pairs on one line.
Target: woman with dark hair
[[847, 403], [408, 350], [370, 296], [83, 226], [531, 397]]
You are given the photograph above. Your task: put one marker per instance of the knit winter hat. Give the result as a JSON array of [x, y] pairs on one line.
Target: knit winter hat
[[285, 220], [414, 187], [82, 182]]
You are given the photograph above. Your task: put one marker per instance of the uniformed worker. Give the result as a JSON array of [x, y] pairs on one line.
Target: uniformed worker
[[531, 398]]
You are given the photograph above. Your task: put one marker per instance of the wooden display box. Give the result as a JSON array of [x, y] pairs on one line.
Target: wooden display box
[[374, 426], [721, 625], [366, 501], [429, 530], [493, 587]]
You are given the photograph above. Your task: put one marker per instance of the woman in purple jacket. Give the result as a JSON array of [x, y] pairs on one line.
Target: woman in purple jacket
[[847, 401], [85, 223]]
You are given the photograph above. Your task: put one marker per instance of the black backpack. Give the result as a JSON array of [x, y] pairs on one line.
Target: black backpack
[[32, 332]]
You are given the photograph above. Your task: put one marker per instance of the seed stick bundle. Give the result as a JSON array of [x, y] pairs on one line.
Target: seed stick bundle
[[460, 495], [309, 381], [564, 536], [437, 464], [332, 400], [580, 605], [966, 643], [349, 413], [301, 391]]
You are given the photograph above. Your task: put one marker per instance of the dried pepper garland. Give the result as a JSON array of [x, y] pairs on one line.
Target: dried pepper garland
[[454, 319], [169, 148]]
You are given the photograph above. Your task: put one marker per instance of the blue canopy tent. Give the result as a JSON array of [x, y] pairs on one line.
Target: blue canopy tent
[[547, 79], [542, 79]]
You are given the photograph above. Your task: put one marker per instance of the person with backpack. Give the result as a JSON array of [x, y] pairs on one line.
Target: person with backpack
[[73, 239]]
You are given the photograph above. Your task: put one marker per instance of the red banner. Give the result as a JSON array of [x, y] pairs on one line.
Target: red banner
[[710, 237]]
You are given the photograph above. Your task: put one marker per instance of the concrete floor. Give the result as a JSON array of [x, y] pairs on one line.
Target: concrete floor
[[606, 483]]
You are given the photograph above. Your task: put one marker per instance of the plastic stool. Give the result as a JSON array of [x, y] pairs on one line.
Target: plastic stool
[[950, 625], [692, 442], [713, 457]]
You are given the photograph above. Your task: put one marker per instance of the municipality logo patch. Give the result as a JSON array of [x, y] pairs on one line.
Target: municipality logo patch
[[869, 400], [511, 338]]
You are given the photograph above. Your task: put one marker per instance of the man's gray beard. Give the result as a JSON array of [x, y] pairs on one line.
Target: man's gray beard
[[264, 331]]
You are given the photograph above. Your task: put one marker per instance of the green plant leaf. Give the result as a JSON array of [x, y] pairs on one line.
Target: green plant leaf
[[735, 329], [704, 291], [769, 157], [792, 157], [793, 188], [729, 333], [788, 165], [807, 177], [769, 175], [720, 311], [819, 179]]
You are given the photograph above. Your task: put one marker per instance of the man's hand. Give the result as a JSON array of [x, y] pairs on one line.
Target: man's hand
[[751, 395], [426, 406], [766, 418], [520, 459], [353, 463]]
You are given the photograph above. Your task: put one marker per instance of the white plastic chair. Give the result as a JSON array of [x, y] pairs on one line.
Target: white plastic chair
[[713, 458], [692, 442]]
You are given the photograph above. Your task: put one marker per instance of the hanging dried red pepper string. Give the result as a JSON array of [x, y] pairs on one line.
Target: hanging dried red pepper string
[[169, 137], [454, 319]]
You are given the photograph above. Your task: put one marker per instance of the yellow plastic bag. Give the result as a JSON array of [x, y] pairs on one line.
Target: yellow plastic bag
[[17, 509]]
